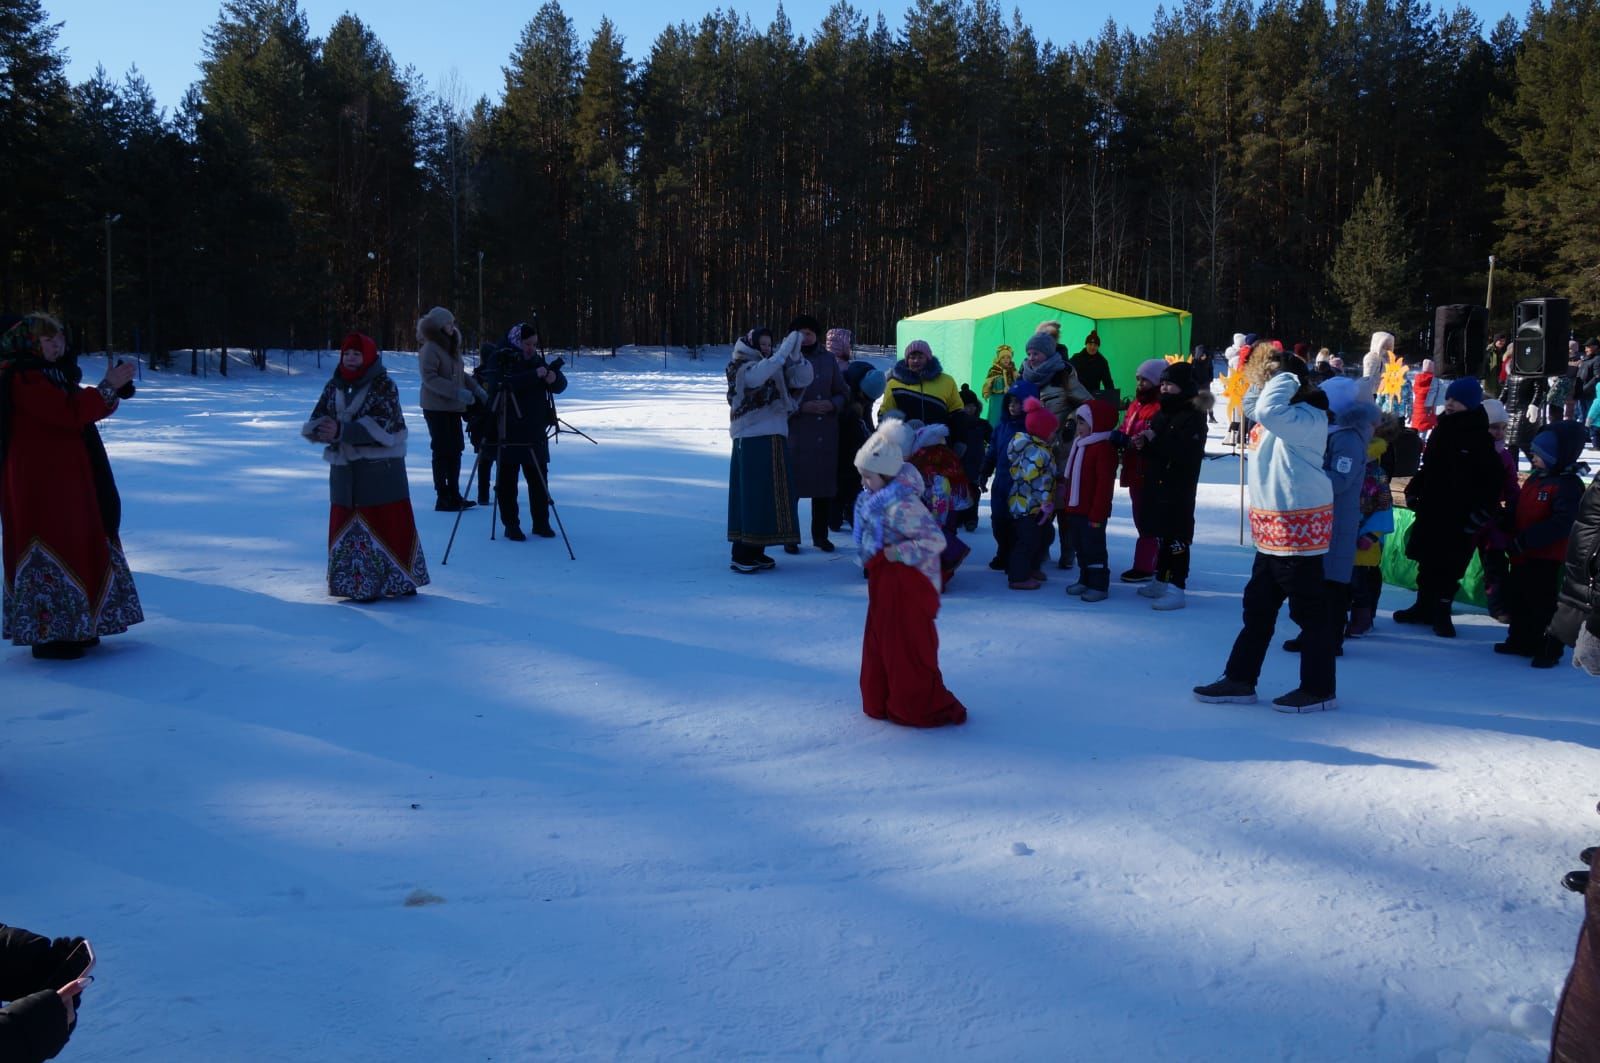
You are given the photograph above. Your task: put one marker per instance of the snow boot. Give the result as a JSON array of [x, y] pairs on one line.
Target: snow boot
[[1226, 691], [1094, 594], [1154, 589], [1420, 612], [1549, 652], [1304, 701], [1443, 626], [515, 534], [1170, 601], [57, 651], [1360, 623], [1029, 584], [1077, 588], [1133, 575]]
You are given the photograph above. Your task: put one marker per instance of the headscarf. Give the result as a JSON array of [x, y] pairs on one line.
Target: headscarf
[[1002, 374], [357, 341], [515, 333], [840, 341]]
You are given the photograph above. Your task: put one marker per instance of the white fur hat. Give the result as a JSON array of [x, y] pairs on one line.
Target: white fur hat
[[886, 449]]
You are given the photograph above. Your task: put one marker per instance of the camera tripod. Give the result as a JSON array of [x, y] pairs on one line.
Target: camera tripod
[[498, 408]]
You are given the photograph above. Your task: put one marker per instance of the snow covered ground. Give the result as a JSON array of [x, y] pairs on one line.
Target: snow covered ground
[[628, 806]]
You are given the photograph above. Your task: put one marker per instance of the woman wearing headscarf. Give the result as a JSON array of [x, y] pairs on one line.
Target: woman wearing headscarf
[[67, 582], [373, 549], [764, 385]]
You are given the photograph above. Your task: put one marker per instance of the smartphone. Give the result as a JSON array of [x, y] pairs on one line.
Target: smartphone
[[79, 962]]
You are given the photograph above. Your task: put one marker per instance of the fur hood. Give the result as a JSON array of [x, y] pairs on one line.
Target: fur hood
[[431, 328], [931, 371]]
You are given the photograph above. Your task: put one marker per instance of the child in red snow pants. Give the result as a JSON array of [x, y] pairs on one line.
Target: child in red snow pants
[[900, 678]]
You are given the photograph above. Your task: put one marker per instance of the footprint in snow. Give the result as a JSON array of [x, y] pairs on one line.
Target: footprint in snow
[[1021, 849]]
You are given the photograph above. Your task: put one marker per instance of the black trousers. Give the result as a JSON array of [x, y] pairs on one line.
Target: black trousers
[[533, 465], [1272, 580], [1439, 572], [1366, 587], [1172, 562], [1531, 598], [1496, 571], [1001, 527], [1088, 542], [1030, 546], [447, 442], [821, 512]]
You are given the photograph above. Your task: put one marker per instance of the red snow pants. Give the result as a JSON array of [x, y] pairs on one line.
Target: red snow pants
[[900, 678]]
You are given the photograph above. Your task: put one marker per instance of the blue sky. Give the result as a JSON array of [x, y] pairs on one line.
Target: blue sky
[[474, 37]]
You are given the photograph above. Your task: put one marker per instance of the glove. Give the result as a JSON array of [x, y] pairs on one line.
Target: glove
[[1586, 654], [464, 395]]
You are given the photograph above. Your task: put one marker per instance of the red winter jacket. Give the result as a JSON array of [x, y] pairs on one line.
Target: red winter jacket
[[1138, 418], [1095, 470], [1546, 509]]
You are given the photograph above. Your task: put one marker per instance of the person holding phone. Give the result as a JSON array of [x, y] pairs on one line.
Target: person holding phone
[[67, 582], [42, 983]]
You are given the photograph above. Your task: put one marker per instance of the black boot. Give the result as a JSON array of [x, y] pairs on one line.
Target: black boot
[[58, 651], [1419, 612], [1443, 626]]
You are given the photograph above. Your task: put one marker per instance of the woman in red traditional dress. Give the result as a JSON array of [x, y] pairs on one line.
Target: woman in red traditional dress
[[67, 582], [373, 549]]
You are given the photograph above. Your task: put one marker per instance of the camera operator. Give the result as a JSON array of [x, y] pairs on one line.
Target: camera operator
[[521, 384]]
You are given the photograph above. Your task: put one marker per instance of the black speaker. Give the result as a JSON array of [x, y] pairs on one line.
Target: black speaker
[[1460, 332], [1539, 337]]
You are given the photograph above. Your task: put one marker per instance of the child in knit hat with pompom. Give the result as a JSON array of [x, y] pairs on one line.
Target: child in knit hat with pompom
[[899, 544], [1031, 504]]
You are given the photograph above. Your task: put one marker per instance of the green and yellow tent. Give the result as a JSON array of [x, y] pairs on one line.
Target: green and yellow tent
[[964, 335]]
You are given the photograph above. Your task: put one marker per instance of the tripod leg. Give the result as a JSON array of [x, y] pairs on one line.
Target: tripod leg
[[457, 525], [544, 486]]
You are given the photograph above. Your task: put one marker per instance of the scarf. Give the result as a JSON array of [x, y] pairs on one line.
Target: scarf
[[1074, 470], [1040, 375]]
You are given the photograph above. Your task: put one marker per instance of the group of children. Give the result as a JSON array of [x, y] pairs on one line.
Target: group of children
[[1321, 508], [1047, 473]]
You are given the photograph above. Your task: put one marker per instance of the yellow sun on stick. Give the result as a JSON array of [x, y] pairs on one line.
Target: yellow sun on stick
[[1177, 358], [1394, 377], [1233, 390]]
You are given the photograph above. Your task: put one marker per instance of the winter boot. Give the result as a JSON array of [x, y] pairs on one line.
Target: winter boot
[[1513, 649], [1549, 652], [1443, 626], [1098, 581], [1169, 601], [1226, 691], [1154, 589], [1360, 623], [58, 651], [515, 534], [1134, 575], [1029, 584], [1420, 612], [1077, 588], [1304, 701], [1293, 646]]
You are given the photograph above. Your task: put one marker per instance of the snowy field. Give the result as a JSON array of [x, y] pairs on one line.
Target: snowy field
[[628, 806]]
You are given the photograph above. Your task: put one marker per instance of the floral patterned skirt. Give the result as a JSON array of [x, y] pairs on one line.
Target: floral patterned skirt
[[374, 552], [46, 601]]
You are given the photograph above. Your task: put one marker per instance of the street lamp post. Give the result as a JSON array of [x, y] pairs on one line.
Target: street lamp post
[[111, 219]]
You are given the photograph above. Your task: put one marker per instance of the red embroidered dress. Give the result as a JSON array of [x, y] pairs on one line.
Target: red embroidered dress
[[66, 579]]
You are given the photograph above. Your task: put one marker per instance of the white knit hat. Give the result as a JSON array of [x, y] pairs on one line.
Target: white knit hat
[[1496, 411], [885, 450]]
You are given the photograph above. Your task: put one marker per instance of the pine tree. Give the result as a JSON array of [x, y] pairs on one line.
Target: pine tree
[[1372, 266]]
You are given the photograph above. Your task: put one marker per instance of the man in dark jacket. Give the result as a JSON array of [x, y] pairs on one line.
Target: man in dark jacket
[[41, 982], [1453, 495], [1587, 384], [1094, 372], [521, 385]]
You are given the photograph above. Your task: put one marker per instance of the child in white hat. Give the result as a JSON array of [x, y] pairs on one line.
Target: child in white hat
[[899, 544]]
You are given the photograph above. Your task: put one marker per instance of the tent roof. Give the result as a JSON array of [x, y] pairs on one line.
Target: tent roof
[[1084, 300]]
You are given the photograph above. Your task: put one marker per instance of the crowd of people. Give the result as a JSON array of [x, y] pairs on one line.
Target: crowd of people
[[1046, 440]]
